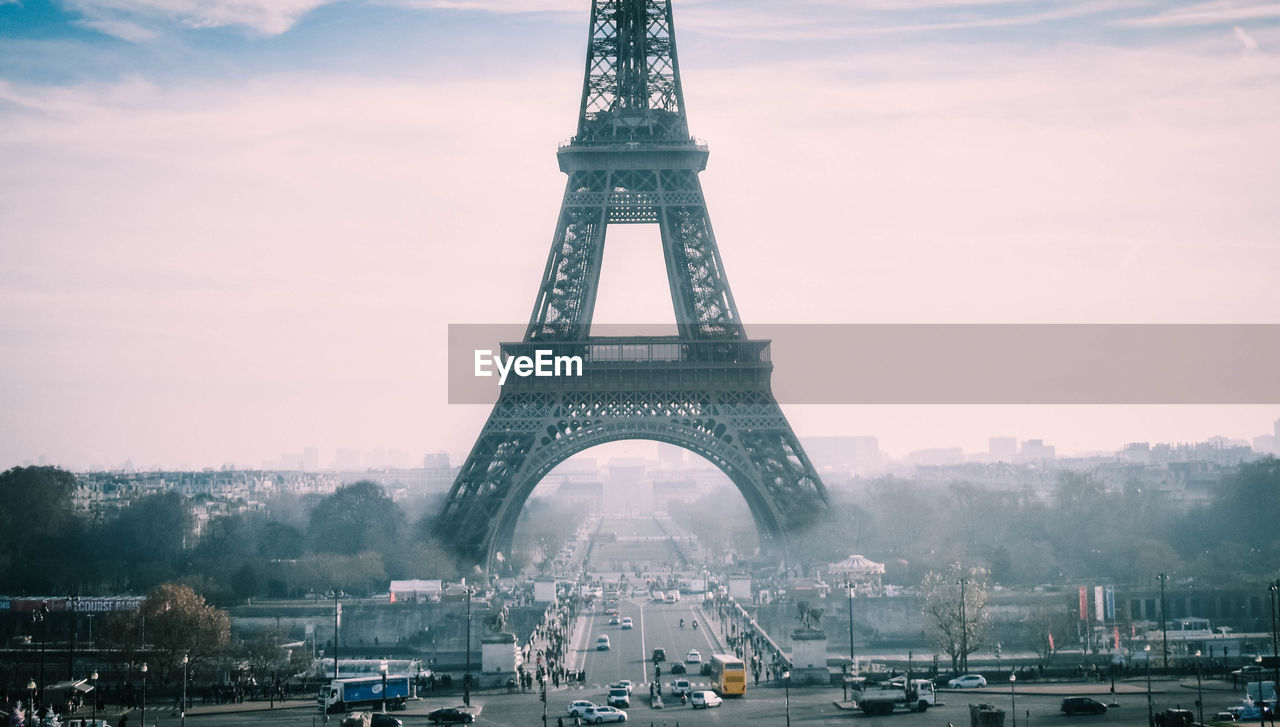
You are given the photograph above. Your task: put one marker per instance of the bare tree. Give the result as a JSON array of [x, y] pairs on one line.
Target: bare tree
[[955, 610]]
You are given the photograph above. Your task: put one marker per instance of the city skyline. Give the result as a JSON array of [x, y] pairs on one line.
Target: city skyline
[[237, 229]]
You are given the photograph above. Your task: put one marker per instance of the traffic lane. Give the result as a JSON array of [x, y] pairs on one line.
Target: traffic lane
[[623, 658], [662, 630]]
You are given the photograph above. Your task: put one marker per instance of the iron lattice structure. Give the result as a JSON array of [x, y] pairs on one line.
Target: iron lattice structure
[[706, 389]]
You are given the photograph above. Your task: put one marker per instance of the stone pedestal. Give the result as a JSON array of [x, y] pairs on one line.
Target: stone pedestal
[[499, 658], [809, 658]]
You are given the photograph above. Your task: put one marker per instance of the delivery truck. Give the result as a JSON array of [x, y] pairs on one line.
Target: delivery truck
[[342, 695]]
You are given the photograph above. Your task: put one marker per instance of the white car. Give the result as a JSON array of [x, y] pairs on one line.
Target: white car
[[705, 699], [681, 686], [968, 681], [623, 684], [694, 657], [626, 622], [580, 707], [602, 643], [600, 715]]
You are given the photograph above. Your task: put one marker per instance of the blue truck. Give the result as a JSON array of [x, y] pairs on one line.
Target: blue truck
[[341, 695]]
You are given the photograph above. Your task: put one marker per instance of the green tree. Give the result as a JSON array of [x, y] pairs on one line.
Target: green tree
[[35, 510], [955, 609], [354, 519], [174, 621]]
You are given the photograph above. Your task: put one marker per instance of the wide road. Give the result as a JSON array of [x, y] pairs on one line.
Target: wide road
[[656, 625]]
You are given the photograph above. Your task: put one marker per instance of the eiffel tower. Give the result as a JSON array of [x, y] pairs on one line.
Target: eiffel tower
[[707, 389]]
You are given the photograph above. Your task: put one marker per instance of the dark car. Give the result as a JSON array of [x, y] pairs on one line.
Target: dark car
[[1082, 705], [382, 719], [450, 714], [1175, 718], [659, 656], [677, 668]]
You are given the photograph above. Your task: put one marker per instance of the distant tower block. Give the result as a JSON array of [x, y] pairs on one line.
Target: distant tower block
[[706, 389]]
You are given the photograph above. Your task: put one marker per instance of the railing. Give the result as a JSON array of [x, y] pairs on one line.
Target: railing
[[630, 351]]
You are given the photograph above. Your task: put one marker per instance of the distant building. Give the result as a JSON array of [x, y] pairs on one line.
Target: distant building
[[1002, 449], [855, 455], [1035, 450]]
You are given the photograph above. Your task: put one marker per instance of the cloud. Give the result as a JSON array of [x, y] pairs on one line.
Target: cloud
[[1209, 13], [1248, 41], [137, 20]]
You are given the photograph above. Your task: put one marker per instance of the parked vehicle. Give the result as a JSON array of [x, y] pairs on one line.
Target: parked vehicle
[[873, 698], [450, 715], [968, 681], [1082, 705], [340, 695], [705, 699]]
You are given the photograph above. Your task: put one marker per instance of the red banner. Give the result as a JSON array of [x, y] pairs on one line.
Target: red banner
[[1084, 603]]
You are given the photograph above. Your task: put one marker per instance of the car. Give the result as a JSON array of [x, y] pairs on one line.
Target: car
[[623, 684], [968, 681], [450, 715], [618, 697], [627, 623], [1225, 717], [1082, 705], [600, 715], [1175, 718], [693, 657], [659, 656], [382, 719], [602, 643], [1248, 671], [705, 699], [580, 707], [681, 686], [677, 668], [613, 621]]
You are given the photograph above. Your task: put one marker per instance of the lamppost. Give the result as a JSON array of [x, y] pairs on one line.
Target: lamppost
[[38, 616], [93, 716], [382, 667], [144, 695], [1013, 698], [183, 712], [1199, 689], [31, 703], [466, 678], [1164, 633], [1151, 712], [964, 630], [1275, 649], [335, 594], [849, 586], [1261, 702], [786, 678]]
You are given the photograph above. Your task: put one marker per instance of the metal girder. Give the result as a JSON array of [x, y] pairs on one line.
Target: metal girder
[[745, 434], [707, 390]]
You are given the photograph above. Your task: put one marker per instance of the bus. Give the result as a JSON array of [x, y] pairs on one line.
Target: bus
[[728, 675]]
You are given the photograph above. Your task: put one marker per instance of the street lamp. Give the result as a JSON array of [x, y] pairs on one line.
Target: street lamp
[[786, 677], [466, 678], [1151, 716], [1275, 649], [144, 695], [1199, 689], [183, 712], [93, 717], [335, 594], [1261, 703], [382, 667], [964, 630], [31, 703], [1013, 698], [1164, 633], [38, 616]]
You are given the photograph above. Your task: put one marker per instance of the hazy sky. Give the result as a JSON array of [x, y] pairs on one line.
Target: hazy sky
[[235, 228]]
